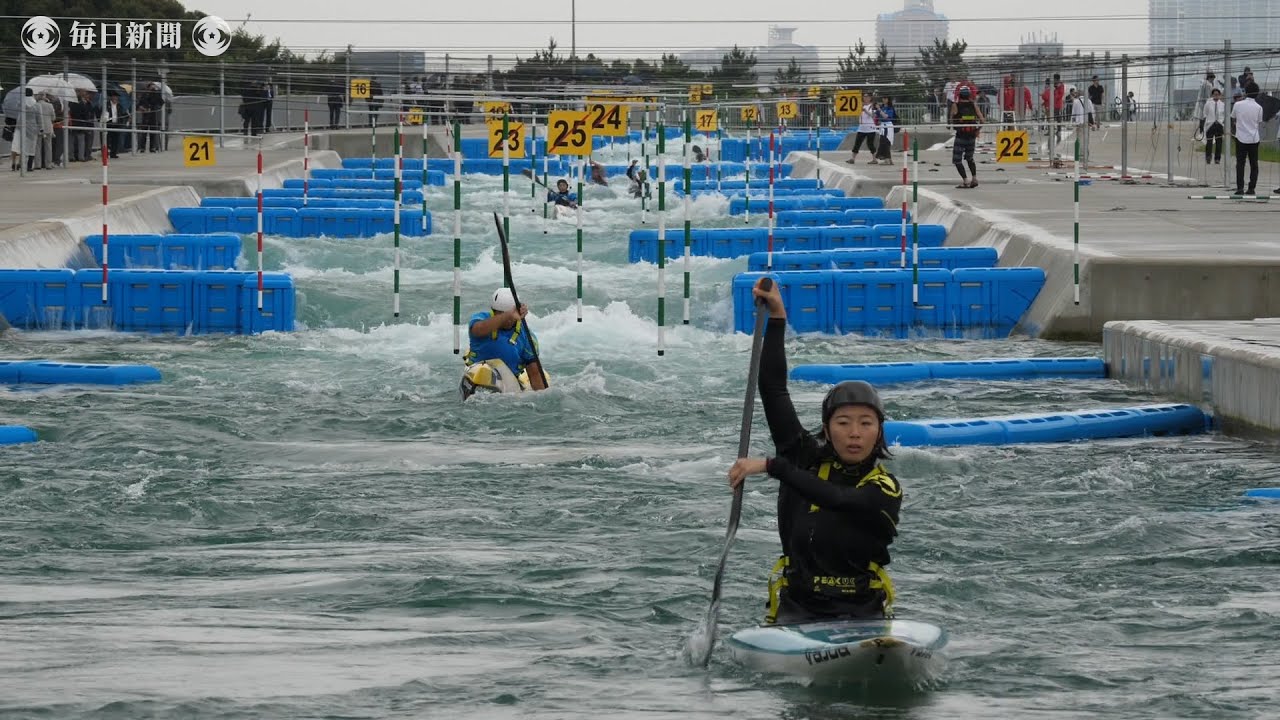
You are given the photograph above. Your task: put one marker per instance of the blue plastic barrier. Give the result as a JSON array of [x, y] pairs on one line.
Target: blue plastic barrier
[[949, 258], [879, 301], [643, 244], [738, 206], [301, 222], [891, 373], [1263, 493], [16, 435], [39, 298], [741, 184], [45, 372], [1175, 419], [807, 296]]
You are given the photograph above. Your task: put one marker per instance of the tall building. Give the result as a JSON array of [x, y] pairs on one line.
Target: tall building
[[770, 58], [915, 26], [1199, 25]]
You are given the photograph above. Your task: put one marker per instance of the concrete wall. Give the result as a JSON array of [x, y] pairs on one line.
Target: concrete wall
[[1242, 384]]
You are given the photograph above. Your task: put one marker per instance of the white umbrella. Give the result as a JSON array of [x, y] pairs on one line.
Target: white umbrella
[[13, 102], [78, 81], [53, 86], [165, 91]]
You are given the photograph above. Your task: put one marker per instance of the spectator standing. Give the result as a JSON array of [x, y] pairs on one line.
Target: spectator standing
[[1212, 116], [1246, 116]]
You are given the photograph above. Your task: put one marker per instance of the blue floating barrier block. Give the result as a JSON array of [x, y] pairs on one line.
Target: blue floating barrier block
[[1263, 493], [232, 201], [357, 163], [864, 258], [278, 304], [836, 238], [805, 218], [1082, 367], [217, 300], [310, 221], [875, 217], [221, 251], [282, 192], [996, 297], [924, 236], [1041, 428], [790, 261], [243, 221], [151, 300], [16, 435], [797, 238], [995, 369], [953, 258], [736, 242], [37, 298], [875, 373], [279, 221], [860, 203], [875, 301], [935, 307], [58, 373], [910, 433], [191, 219], [807, 295], [11, 371], [1145, 420]]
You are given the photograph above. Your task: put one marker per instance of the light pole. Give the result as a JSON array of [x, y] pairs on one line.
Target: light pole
[[573, 30]]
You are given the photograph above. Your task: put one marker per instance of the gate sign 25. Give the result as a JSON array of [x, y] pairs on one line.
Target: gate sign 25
[[569, 132], [513, 138], [1012, 146], [608, 119], [849, 103]]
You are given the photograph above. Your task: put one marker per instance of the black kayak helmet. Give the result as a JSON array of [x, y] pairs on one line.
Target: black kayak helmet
[[855, 392]]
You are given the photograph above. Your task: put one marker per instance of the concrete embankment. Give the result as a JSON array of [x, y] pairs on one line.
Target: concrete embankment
[[1232, 366], [48, 214]]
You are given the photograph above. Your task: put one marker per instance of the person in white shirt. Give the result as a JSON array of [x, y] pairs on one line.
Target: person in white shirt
[[1247, 120], [866, 132], [1082, 119], [1212, 115]]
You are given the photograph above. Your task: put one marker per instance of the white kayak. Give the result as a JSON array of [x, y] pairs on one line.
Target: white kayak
[[877, 652], [492, 376]]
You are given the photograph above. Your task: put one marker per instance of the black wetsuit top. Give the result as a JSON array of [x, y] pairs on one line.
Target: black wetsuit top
[[831, 530]]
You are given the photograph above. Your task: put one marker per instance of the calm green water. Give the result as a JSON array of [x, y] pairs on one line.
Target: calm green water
[[312, 525]]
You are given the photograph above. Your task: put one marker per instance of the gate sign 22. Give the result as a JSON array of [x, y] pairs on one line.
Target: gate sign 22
[[514, 138], [1012, 146], [569, 132], [849, 103], [707, 121]]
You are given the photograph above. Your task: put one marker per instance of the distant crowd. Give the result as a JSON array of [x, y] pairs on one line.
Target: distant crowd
[[44, 131]]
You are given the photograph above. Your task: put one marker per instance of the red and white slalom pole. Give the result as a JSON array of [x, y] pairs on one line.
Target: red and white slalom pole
[[105, 154], [306, 152], [259, 226]]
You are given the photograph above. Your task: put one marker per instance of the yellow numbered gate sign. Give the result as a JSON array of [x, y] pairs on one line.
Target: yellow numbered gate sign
[[513, 139], [849, 103], [197, 151], [607, 119], [751, 114], [360, 88], [494, 110], [787, 110], [414, 117], [706, 121], [1012, 146], [569, 132]]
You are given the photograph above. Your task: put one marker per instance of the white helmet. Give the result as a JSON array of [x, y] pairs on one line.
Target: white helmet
[[503, 300]]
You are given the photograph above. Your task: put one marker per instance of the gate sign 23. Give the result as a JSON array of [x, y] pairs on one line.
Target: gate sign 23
[[514, 139]]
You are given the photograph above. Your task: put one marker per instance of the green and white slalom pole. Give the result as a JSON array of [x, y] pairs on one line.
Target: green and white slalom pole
[[644, 153], [426, 125], [395, 223], [457, 237], [915, 221], [506, 179], [662, 236], [582, 169], [373, 149], [818, 140], [1075, 245], [688, 212], [546, 179], [533, 160], [719, 145], [903, 230]]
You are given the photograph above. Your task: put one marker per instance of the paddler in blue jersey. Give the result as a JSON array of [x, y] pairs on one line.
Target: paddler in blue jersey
[[837, 505], [561, 195], [501, 334]]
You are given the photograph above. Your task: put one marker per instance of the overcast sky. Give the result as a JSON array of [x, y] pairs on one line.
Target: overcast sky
[[648, 28]]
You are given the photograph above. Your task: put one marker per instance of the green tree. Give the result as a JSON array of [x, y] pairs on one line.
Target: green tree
[[860, 68], [938, 63], [672, 69], [792, 75], [736, 76]]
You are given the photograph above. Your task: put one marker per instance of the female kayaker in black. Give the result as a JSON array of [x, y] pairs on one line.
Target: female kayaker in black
[[837, 506]]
